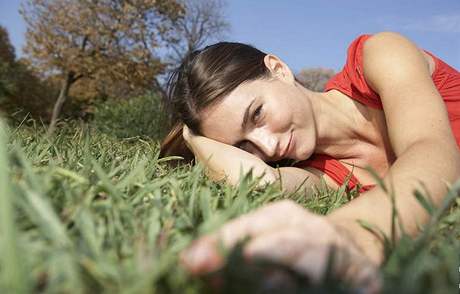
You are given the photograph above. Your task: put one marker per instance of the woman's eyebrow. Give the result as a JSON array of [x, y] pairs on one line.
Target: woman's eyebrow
[[244, 124]]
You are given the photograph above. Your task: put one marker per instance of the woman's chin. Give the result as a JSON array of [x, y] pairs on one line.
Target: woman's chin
[[304, 155]]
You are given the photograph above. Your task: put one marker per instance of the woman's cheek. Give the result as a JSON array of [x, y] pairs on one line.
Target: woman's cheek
[[271, 119], [282, 117]]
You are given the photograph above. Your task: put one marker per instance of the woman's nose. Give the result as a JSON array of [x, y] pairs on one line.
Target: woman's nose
[[264, 140]]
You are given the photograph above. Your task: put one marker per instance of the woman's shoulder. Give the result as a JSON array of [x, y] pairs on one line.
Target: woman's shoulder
[[356, 47], [351, 79], [432, 61], [390, 54]]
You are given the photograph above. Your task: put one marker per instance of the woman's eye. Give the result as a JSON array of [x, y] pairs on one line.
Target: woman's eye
[[257, 113]]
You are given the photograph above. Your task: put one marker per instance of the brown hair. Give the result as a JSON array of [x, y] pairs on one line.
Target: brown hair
[[204, 78]]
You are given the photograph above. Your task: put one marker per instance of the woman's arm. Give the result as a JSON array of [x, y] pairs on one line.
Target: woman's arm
[[223, 161], [428, 162], [420, 135]]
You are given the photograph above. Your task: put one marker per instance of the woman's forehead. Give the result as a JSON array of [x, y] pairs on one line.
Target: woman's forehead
[[222, 121]]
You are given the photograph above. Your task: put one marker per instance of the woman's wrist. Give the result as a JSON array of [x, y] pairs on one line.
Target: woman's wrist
[[356, 262], [364, 241]]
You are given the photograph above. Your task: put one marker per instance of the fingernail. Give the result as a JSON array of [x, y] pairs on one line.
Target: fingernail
[[201, 258], [199, 254]]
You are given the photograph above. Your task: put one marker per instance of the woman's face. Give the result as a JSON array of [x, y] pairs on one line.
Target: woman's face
[[270, 118]]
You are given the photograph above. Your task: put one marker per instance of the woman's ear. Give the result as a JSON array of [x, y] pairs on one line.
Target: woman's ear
[[278, 68]]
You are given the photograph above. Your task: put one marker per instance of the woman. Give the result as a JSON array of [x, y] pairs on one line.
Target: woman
[[393, 107]]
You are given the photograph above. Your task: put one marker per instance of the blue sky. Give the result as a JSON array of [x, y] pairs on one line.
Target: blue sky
[[317, 33]]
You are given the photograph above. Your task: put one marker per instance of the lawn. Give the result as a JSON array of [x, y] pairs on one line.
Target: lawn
[[87, 212]]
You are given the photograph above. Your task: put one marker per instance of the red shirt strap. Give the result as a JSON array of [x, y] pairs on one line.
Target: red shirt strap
[[350, 80]]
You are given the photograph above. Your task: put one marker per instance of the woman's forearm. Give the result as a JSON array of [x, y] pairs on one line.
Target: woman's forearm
[[226, 161], [430, 162]]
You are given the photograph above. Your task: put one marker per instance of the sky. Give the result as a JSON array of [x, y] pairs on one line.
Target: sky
[[307, 33]]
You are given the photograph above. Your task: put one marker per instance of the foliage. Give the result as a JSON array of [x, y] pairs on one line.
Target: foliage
[[20, 87], [7, 58], [6, 84], [84, 212], [7, 53], [102, 39], [141, 116], [106, 41]]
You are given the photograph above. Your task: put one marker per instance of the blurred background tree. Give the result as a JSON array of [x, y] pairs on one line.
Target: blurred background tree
[[109, 50], [204, 21], [104, 41], [87, 52], [20, 88], [7, 59], [315, 79]]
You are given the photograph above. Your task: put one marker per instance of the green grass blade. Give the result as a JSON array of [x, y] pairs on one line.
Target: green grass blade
[[12, 267]]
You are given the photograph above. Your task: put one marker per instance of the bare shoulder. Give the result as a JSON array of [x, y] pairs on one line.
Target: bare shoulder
[[386, 54], [398, 72]]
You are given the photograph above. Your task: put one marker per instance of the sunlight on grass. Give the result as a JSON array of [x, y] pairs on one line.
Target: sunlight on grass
[[87, 212]]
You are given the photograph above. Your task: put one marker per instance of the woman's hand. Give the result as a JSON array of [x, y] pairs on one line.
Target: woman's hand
[[190, 138], [188, 135], [286, 233]]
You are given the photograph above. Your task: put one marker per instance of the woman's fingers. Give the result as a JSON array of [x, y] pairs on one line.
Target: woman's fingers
[[186, 133], [287, 247], [272, 217], [368, 278], [292, 248], [203, 255], [285, 233]]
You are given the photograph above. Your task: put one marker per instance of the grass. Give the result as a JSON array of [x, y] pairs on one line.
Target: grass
[[86, 212]]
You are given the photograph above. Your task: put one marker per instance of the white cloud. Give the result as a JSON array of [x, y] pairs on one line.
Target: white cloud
[[443, 23], [447, 23]]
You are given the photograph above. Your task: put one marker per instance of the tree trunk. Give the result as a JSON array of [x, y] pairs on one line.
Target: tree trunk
[[63, 94]]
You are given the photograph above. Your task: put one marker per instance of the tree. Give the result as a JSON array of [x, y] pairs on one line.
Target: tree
[[20, 88], [32, 94], [110, 40], [315, 79], [203, 21], [7, 59], [7, 53]]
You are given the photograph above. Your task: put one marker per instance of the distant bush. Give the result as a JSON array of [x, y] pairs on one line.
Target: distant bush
[[315, 79], [141, 116], [21, 89]]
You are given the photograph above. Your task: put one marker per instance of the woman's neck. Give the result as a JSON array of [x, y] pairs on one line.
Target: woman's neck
[[339, 125]]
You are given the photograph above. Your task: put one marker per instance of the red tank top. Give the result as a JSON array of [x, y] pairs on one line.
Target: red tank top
[[351, 82]]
